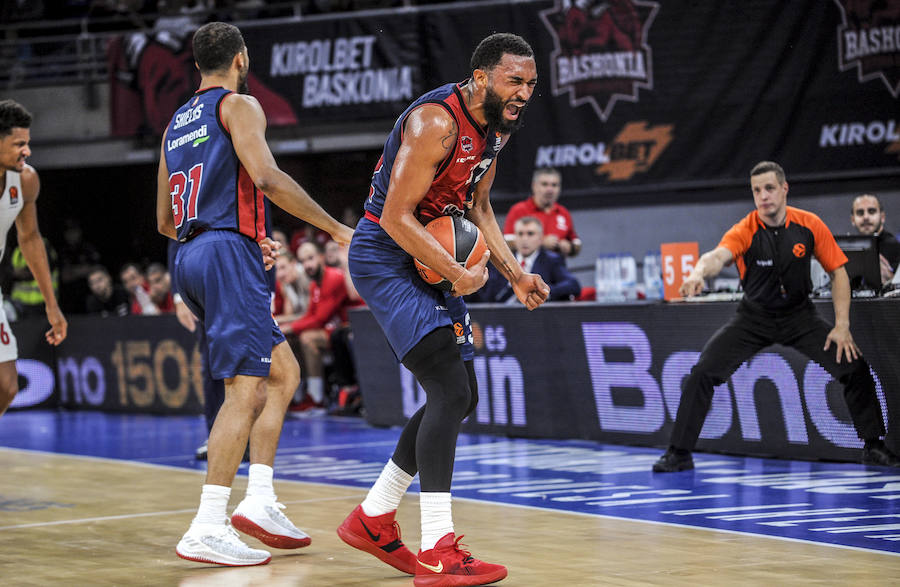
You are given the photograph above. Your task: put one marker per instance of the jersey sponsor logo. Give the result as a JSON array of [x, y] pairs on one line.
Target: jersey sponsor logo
[[869, 41], [601, 53], [195, 137], [265, 359], [188, 116], [765, 262], [337, 72], [799, 250], [465, 143], [13, 196]]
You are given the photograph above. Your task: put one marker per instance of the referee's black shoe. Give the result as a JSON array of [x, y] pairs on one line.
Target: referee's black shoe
[[876, 453], [674, 460]]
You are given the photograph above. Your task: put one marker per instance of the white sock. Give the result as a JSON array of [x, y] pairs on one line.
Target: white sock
[[388, 490], [315, 388], [213, 503], [259, 481], [437, 519]]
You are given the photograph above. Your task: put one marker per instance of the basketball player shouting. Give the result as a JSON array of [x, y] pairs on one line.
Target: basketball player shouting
[[436, 161], [215, 171], [19, 186]]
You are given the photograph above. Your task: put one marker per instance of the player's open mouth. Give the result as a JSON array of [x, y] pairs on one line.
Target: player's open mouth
[[512, 110]]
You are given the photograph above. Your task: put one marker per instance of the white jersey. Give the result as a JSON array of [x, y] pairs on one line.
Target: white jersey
[[10, 205]]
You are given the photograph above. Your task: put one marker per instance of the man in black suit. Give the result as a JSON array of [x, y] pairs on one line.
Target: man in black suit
[[535, 259], [868, 217]]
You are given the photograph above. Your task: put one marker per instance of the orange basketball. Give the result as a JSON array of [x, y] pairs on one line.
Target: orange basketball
[[461, 239]]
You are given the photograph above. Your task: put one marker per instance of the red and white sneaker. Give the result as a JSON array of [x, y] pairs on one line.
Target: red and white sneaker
[[447, 564], [379, 536], [261, 518]]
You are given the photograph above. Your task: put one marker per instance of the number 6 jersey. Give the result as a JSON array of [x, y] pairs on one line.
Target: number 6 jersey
[[210, 189]]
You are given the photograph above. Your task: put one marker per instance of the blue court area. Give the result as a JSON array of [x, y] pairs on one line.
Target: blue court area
[[840, 504]]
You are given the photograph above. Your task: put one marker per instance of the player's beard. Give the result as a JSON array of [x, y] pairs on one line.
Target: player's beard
[[493, 112]]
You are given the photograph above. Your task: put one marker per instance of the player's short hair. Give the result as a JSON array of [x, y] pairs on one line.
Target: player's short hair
[[766, 167], [545, 171], [860, 197], [215, 45], [13, 115], [491, 50]]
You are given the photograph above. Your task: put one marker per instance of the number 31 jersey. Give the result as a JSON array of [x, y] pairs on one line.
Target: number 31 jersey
[[209, 187]]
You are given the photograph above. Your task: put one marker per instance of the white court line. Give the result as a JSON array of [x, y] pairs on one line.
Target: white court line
[[146, 515], [496, 503]]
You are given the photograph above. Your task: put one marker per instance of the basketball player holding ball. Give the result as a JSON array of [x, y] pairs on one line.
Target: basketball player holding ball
[[437, 161]]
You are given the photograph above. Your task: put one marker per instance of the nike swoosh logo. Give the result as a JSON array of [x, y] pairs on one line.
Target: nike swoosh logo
[[374, 537], [439, 568]]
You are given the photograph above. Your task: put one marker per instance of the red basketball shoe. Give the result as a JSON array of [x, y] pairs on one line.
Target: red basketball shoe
[[379, 536], [447, 564]]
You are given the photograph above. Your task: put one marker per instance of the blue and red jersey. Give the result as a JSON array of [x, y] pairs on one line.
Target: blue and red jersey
[[209, 186], [454, 182]]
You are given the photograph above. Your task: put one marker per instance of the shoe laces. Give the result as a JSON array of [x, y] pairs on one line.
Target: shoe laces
[[396, 528], [466, 555]]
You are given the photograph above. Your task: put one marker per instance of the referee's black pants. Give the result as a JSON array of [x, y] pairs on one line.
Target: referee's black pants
[[753, 329]]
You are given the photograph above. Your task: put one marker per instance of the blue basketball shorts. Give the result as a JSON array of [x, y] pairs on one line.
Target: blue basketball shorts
[[405, 306], [222, 280]]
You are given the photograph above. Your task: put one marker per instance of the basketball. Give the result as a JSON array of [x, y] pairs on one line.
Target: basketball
[[461, 239]]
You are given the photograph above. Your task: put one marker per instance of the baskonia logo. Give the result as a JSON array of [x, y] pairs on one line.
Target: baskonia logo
[[601, 52], [635, 149], [869, 40]]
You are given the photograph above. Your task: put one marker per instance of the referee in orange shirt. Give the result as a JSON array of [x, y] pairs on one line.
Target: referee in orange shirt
[[772, 247]]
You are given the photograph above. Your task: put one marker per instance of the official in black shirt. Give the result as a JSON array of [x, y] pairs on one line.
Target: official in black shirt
[[868, 217], [772, 247]]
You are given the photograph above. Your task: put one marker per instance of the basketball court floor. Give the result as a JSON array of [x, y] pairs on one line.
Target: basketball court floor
[[89, 498]]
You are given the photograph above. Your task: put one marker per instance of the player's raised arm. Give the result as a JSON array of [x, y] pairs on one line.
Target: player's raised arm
[[429, 137], [245, 119]]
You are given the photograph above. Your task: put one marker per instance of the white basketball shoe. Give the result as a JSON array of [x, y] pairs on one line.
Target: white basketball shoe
[[261, 518], [219, 544]]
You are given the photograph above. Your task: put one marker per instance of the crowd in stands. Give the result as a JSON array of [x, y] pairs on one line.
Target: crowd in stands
[[143, 13]]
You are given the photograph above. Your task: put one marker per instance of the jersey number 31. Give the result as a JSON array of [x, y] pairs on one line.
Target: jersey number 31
[[184, 202]]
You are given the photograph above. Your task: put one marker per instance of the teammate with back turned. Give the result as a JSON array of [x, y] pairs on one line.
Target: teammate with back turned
[[215, 172], [438, 160]]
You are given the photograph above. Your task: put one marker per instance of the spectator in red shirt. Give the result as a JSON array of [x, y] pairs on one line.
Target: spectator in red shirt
[[559, 232], [138, 289], [160, 288], [327, 310]]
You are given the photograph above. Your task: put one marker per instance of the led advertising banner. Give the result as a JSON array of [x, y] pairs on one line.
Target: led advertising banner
[[147, 364], [614, 374]]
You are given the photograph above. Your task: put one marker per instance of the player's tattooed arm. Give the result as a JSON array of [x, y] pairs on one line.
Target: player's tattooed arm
[[448, 141], [505, 268]]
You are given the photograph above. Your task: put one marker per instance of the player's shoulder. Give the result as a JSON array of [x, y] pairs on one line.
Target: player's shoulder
[[234, 100], [429, 117], [30, 180]]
